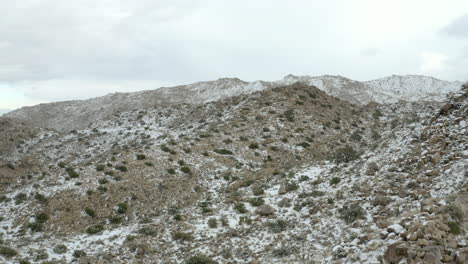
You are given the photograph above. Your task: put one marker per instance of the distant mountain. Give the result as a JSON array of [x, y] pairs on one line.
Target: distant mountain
[[70, 115]]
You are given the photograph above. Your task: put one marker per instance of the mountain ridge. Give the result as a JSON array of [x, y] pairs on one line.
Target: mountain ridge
[[384, 90]]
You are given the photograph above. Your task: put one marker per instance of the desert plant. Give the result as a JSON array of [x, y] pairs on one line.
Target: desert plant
[[212, 223], [90, 212], [95, 229], [60, 249], [351, 213], [200, 259]]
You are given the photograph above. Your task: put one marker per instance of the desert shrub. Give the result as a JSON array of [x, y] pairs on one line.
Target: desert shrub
[[122, 208], [40, 198], [258, 190], [62, 165], [8, 252], [185, 169], [147, 231], [95, 229], [121, 168], [4, 198], [171, 171], [212, 223], [102, 189], [24, 261], [100, 167], [345, 154], [304, 144], [79, 253], [41, 217], [356, 136], [223, 151], [42, 254], [20, 198], [183, 236], [240, 207], [103, 181], [72, 173], [140, 157], [282, 252], [90, 212], [165, 148], [256, 201], [277, 226], [253, 146], [60, 249], [335, 180], [115, 220], [36, 227], [454, 228], [109, 173], [351, 213], [289, 115], [291, 186], [200, 259], [286, 202], [149, 164]]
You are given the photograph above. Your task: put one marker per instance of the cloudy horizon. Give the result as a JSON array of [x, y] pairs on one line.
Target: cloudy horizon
[[53, 50]]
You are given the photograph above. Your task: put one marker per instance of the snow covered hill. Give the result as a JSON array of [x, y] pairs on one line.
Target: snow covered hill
[[386, 90]]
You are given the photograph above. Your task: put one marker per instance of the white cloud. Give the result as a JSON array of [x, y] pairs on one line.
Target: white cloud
[[432, 62], [84, 48]]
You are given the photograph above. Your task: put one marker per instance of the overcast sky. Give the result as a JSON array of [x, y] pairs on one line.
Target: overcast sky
[[61, 50]]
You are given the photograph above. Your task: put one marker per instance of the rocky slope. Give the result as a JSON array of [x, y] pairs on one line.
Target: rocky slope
[[66, 116], [287, 174]]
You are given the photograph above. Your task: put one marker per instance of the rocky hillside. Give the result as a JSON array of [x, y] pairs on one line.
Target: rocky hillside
[[287, 174], [67, 116]]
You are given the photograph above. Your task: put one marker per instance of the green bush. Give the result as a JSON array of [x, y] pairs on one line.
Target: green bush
[[115, 220], [200, 259], [147, 231], [42, 217], [277, 226], [454, 228], [8, 252], [335, 180], [149, 164], [40, 198], [212, 223], [60, 249], [223, 151], [72, 173], [100, 167], [253, 146], [121, 168], [240, 207], [257, 190], [140, 157], [351, 213], [95, 229], [256, 201], [185, 169], [20, 198], [103, 181], [122, 208], [345, 154], [183, 236], [79, 253], [90, 212], [171, 171]]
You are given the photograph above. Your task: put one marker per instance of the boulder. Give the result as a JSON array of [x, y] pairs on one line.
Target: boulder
[[396, 252], [265, 210]]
